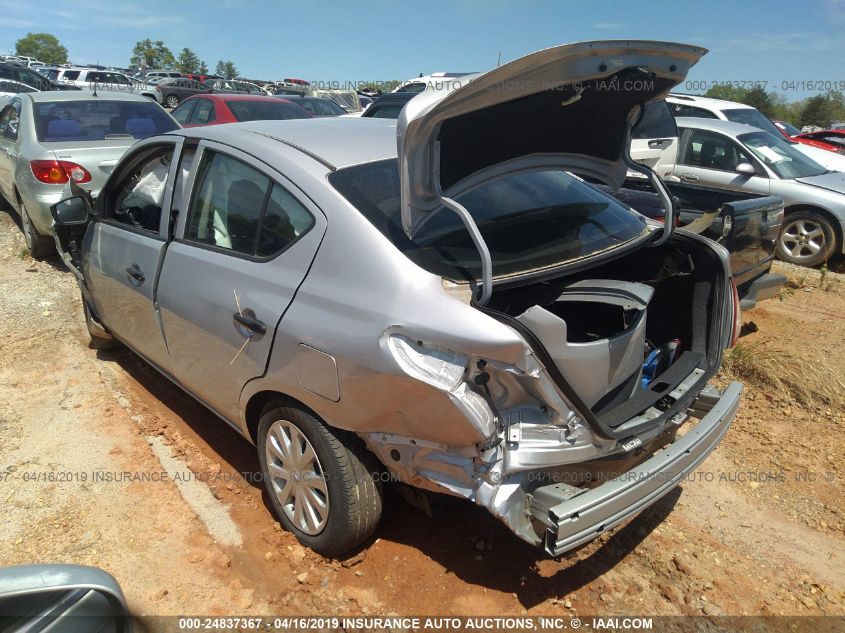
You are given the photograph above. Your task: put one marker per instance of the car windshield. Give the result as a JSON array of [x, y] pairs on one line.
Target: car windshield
[[529, 220], [265, 110], [790, 129], [752, 116], [99, 119], [780, 156]]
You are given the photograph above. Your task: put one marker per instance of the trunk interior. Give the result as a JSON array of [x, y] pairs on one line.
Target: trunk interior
[[612, 358]]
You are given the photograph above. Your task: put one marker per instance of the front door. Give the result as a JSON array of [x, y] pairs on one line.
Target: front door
[[241, 252], [127, 247], [710, 159]]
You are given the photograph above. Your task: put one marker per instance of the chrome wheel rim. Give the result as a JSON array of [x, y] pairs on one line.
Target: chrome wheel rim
[[172, 101], [802, 239], [297, 477]]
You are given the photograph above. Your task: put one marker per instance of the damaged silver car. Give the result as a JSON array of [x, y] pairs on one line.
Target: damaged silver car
[[437, 298]]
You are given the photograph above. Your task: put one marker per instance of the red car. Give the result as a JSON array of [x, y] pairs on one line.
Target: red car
[[831, 140], [213, 109]]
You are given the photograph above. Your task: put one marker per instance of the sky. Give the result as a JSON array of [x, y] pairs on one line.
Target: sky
[[784, 44]]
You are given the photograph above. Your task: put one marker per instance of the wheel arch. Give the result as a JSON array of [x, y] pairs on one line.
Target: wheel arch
[[835, 222], [257, 404]]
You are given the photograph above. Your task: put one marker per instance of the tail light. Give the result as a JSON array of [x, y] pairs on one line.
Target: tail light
[[737, 314], [58, 172]]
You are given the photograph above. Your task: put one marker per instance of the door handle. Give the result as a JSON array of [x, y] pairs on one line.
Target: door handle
[[658, 142], [253, 325], [689, 177], [135, 273]]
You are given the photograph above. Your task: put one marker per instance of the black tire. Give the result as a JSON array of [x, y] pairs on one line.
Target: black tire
[[40, 246], [806, 239], [349, 473], [171, 101], [97, 340]]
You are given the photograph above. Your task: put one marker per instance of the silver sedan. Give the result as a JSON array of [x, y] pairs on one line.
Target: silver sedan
[[454, 311], [48, 138], [736, 156]]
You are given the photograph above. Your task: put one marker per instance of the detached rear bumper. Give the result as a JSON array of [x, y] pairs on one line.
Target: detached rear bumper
[[582, 518], [764, 287]]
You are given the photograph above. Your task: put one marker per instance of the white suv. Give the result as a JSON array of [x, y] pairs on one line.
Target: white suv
[[104, 81]]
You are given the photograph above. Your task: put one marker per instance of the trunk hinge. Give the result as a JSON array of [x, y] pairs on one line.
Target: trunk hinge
[[665, 198], [474, 232]]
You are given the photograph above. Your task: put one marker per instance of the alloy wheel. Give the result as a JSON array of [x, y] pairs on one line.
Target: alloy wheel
[[297, 478], [803, 239]]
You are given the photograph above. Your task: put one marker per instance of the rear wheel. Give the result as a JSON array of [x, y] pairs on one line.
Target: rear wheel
[[40, 246], [320, 480], [807, 239], [171, 101]]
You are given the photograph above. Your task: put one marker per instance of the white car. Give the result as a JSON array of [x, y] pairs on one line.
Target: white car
[[103, 81], [709, 108]]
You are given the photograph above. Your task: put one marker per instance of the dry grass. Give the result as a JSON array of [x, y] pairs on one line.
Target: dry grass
[[808, 377]]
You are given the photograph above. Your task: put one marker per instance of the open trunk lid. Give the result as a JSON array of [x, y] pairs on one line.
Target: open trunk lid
[[569, 107]]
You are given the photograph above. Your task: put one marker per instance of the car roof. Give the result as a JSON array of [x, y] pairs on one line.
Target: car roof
[[84, 95], [716, 125], [706, 101], [225, 96], [336, 142]]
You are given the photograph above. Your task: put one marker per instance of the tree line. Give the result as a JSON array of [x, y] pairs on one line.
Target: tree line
[[821, 109], [154, 54]]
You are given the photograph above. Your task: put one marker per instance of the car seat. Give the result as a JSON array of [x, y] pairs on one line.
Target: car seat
[[64, 130], [243, 207]]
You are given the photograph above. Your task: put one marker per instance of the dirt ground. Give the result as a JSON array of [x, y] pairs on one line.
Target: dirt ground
[[86, 436]]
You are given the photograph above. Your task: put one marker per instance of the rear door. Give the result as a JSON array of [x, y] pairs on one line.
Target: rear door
[[126, 246], [654, 140], [710, 158], [240, 254]]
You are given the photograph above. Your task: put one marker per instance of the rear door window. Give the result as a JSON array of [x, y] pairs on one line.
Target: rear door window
[[239, 209], [657, 122], [682, 109], [203, 112]]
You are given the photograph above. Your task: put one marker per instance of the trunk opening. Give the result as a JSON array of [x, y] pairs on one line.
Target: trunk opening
[[683, 315]]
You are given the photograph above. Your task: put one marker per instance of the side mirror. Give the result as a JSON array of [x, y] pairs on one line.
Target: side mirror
[[62, 598], [746, 169], [71, 211]]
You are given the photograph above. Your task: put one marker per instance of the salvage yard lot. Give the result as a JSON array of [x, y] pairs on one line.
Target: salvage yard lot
[[103, 462]]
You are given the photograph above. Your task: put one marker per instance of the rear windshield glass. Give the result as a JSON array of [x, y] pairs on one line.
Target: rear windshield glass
[[265, 110], [99, 119], [529, 220], [390, 111], [321, 107]]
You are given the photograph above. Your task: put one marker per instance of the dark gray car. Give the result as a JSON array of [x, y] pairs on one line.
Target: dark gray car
[[454, 311], [171, 92]]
